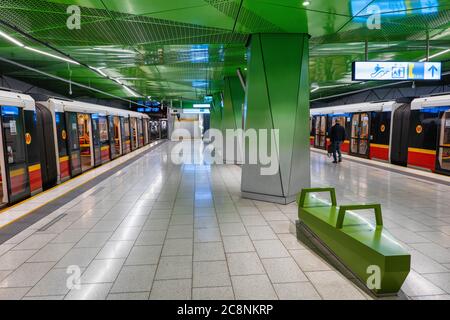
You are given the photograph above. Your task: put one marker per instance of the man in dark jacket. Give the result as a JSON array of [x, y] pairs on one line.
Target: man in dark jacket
[[337, 136]]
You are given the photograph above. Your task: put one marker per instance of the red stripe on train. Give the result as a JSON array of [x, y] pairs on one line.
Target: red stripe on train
[[381, 153], [422, 159], [64, 168], [35, 179]]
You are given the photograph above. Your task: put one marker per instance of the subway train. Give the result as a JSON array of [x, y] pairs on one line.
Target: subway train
[[405, 132], [47, 142]]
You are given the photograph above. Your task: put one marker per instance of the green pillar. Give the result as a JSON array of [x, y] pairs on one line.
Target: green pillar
[[233, 103], [278, 98], [216, 112]]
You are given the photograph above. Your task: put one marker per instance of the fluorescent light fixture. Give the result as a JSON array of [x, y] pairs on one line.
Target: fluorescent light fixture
[[51, 55], [114, 50], [99, 70], [118, 81], [435, 55], [11, 39], [306, 3], [315, 89], [134, 94]]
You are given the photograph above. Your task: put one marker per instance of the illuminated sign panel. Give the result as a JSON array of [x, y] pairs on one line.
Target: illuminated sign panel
[[196, 111], [397, 71], [202, 106], [362, 9]]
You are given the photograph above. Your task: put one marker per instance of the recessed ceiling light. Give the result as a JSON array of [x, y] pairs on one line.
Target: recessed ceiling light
[[306, 3]]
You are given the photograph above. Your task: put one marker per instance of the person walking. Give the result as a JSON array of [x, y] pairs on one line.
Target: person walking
[[337, 136]]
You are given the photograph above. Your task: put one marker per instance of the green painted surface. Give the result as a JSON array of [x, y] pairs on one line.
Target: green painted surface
[[358, 244], [185, 48], [234, 98], [278, 98], [216, 113]]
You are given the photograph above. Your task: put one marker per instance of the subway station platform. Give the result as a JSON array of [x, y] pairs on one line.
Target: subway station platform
[[186, 233]]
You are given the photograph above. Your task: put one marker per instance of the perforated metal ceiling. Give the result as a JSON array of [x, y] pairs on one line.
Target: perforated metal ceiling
[[184, 48]]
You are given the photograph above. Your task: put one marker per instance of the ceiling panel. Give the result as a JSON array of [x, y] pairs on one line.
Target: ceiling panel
[[184, 48]]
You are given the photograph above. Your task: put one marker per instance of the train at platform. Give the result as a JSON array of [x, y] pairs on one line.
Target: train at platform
[[44, 143], [406, 132]]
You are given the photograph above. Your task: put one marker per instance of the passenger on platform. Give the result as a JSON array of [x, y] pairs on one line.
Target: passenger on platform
[[337, 137]]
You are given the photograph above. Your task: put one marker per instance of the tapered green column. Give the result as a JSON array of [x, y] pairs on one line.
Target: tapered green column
[[233, 103], [277, 97], [216, 113]]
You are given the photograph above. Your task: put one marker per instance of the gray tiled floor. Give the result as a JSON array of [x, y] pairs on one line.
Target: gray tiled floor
[[162, 231]]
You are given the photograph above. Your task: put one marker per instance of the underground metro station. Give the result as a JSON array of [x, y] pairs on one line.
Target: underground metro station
[[224, 150]]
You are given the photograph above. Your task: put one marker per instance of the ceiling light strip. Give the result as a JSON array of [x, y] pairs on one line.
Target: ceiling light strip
[[51, 55], [66, 81]]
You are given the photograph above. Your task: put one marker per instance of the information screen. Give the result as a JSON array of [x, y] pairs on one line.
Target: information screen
[[396, 71]]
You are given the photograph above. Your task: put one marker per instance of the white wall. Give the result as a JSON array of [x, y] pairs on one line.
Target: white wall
[[188, 127]]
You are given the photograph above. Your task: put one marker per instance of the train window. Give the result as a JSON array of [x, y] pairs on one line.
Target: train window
[[364, 126], [103, 127], [354, 134], [117, 135], [126, 142], [140, 132], [62, 133]]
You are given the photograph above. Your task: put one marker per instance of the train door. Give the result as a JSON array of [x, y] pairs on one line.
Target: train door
[[343, 122], [400, 135], [63, 153], [320, 139], [85, 141], [40, 144], [96, 143], [48, 163], [73, 143], [15, 154], [3, 184], [443, 160], [33, 141], [140, 129], [126, 139], [380, 129], [104, 139], [114, 136], [134, 135], [360, 134], [146, 136]]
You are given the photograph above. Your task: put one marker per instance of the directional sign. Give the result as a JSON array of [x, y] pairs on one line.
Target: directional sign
[[397, 71]]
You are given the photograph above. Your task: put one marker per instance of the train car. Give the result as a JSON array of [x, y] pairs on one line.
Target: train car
[[429, 133], [367, 126], [45, 143], [407, 132], [88, 135]]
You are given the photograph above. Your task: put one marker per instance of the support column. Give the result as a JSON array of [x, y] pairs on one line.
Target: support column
[[216, 113], [278, 98], [233, 103]]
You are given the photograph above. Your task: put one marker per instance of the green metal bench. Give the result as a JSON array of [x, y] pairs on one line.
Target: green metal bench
[[362, 248]]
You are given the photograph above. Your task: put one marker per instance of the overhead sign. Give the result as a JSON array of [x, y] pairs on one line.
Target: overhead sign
[[397, 71]]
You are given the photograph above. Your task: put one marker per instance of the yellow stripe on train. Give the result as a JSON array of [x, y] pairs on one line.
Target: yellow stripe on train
[[35, 167], [425, 151]]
